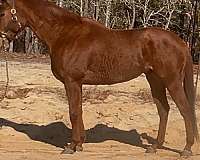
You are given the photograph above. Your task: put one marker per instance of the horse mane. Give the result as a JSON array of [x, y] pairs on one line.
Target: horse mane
[[55, 13]]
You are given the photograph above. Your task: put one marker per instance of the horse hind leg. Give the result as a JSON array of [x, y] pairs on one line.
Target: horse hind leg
[[177, 93], [159, 95]]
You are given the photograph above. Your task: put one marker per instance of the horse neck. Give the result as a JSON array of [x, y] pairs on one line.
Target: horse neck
[[48, 21]]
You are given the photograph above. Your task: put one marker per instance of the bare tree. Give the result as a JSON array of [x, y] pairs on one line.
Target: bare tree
[[170, 10], [86, 8], [96, 9], [108, 13], [130, 15], [60, 3], [81, 8]]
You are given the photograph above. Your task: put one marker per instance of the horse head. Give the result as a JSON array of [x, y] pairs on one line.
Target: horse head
[[10, 21]]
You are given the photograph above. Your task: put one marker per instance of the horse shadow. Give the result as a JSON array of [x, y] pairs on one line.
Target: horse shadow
[[58, 134]]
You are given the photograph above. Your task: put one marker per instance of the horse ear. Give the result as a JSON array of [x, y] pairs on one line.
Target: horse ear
[[3, 3]]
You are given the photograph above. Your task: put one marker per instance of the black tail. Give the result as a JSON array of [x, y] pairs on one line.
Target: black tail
[[190, 92]]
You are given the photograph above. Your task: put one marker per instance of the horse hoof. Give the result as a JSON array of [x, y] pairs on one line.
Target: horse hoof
[[150, 150], [186, 153], [67, 150], [79, 148]]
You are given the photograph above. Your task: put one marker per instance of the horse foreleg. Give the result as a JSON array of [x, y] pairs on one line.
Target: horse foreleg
[[74, 93], [159, 95]]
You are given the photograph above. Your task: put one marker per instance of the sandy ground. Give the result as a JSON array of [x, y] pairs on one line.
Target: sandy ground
[[37, 123]]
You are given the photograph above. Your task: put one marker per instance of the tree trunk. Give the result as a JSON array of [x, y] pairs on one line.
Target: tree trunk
[[86, 8], [19, 43], [60, 3], [132, 24], [108, 13], [10, 49], [96, 10], [28, 40], [81, 9]]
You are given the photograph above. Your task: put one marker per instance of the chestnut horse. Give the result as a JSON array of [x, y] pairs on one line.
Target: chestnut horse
[[83, 51]]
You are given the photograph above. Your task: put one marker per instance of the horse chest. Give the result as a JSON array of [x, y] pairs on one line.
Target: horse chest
[[56, 72]]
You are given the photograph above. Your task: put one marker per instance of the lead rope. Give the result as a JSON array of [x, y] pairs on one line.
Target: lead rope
[[14, 18], [7, 70]]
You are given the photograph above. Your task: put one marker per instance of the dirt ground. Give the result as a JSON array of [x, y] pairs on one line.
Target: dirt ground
[[121, 120]]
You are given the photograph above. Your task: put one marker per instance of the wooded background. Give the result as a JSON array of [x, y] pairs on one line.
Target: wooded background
[[180, 16]]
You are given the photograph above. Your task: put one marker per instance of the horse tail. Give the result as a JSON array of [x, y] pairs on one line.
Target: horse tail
[[190, 93]]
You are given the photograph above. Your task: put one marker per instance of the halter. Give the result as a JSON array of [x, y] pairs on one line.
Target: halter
[[14, 18], [13, 12]]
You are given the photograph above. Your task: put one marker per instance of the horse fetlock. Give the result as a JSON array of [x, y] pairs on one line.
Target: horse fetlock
[[159, 143], [79, 148], [83, 138], [151, 149], [186, 153], [67, 150], [72, 148]]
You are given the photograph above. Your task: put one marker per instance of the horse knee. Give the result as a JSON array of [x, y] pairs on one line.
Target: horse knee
[[163, 107], [186, 112], [74, 116], [160, 142]]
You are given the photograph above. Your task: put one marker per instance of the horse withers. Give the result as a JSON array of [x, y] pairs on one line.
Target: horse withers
[[83, 51]]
